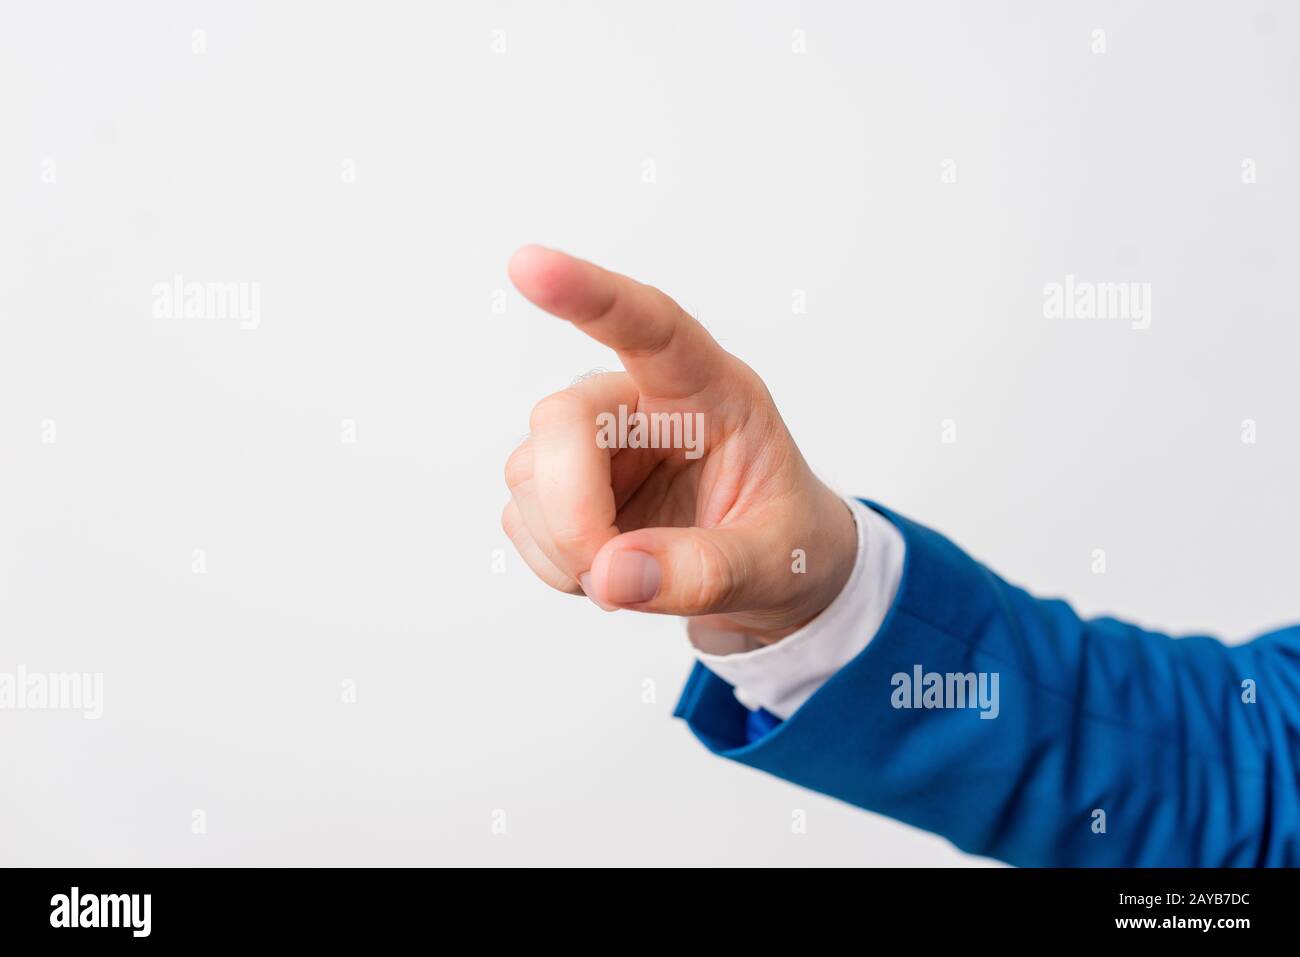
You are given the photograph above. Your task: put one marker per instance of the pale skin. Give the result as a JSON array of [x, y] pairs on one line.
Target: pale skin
[[650, 530]]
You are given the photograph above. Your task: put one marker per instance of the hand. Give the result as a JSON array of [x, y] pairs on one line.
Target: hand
[[706, 530]]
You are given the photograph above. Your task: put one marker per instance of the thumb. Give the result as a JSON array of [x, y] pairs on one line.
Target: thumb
[[684, 571]]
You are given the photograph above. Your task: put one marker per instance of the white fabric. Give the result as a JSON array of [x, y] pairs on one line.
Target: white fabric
[[780, 677]]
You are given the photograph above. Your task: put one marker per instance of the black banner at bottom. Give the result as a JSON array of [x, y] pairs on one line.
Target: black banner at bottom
[[134, 907]]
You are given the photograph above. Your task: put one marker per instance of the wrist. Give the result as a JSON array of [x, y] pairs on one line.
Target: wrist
[[822, 567], [835, 556]]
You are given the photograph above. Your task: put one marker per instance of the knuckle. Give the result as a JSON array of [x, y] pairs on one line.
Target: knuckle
[[556, 411], [519, 466], [717, 579], [569, 539]]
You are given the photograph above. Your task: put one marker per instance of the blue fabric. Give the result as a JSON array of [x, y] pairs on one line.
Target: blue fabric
[[1094, 715], [759, 723]]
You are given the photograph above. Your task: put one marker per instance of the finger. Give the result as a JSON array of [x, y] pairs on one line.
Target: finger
[[689, 571], [523, 494], [513, 523], [668, 353], [571, 472]]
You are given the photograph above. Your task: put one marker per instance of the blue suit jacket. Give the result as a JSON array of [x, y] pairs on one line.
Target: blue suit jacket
[[1094, 716]]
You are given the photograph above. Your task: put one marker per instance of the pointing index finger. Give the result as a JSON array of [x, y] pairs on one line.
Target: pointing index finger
[[668, 354]]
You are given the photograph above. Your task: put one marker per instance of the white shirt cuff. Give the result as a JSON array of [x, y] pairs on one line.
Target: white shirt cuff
[[782, 676]]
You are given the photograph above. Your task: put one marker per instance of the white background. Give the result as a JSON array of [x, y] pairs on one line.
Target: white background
[[774, 171]]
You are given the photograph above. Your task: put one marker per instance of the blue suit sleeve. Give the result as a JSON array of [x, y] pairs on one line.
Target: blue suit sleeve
[[1111, 745]]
